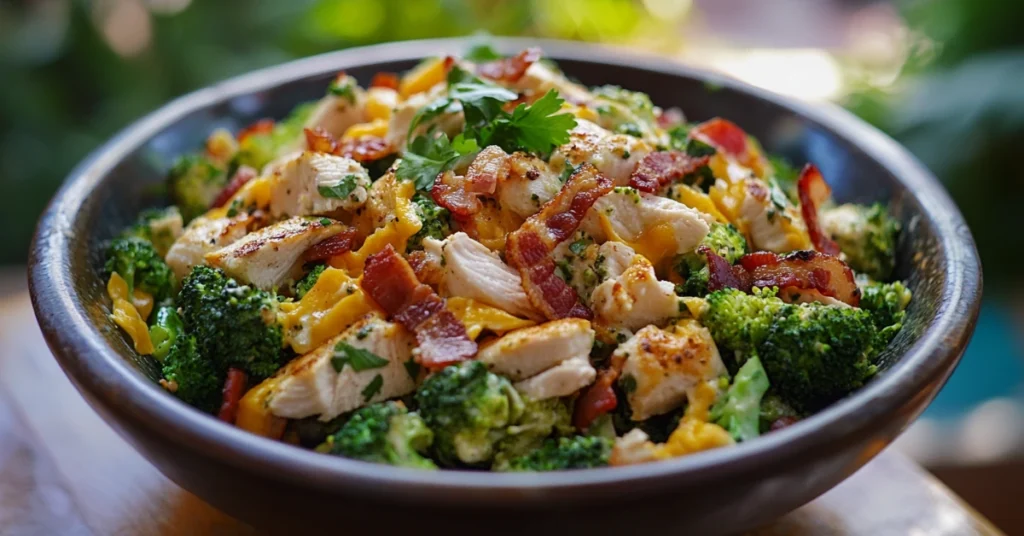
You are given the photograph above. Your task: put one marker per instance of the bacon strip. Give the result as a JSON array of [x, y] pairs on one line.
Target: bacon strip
[[263, 126], [242, 175], [332, 246], [363, 149], [461, 194], [528, 249], [664, 167], [391, 283], [510, 69], [385, 79], [723, 275], [729, 138], [813, 190], [234, 388], [806, 270], [596, 400]]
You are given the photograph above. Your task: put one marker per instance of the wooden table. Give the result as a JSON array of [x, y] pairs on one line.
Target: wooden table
[[63, 471]]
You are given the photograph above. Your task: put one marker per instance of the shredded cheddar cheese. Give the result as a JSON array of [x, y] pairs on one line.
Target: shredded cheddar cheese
[[425, 76], [377, 127], [127, 316], [254, 411], [333, 304], [396, 232], [478, 317]]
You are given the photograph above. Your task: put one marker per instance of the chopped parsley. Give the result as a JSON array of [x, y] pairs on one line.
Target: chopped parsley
[[373, 387], [343, 87], [325, 221], [628, 383], [535, 128], [413, 368], [340, 190], [579, 246], [429, 156], [357, 358]]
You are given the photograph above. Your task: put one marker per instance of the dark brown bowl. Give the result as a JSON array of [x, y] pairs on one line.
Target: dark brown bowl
[[727, 490]]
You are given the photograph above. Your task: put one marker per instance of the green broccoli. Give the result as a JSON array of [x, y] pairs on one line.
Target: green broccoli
[[815, 354], [887, 303], [158, 226], [164, 332], [256, 150], [194, 183], [191, 377], [234, 325], [739, 322], [540, 418], [773, 408], [307, 282], [739, 411], [435, 221], [579, 452], [725, 240], [138, 263], [384, 433], [470, 410], [866, 235]]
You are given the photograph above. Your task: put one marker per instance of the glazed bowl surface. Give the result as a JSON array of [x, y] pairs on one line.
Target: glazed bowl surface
[[275, 485]]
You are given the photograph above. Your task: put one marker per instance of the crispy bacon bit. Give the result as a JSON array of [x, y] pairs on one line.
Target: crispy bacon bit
[[724, 135], [672, 117], [365, 149], [528, 249], [390, 281], [723, 275], [242, 175], [332, 246], [427, 270], [509, 69], [319, 140], [385, 79], [234, 388], [813, 190], [662, 168], [805, 270], [596, 400], [263, 126], [461, 194]]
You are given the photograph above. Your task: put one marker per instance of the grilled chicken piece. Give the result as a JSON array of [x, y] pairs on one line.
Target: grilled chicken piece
[[772, 222], [310, 385], [530, 183], [666, 364], [472, 271], [527, 352], [656, 227], [335, 113], [266, 258], [204, 235], [614, 155], [635, 298], [563, 379], [633, 448], [296, 185], [540, 78]]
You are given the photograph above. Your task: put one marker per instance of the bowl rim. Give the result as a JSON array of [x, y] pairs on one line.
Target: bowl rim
[[101, 374]]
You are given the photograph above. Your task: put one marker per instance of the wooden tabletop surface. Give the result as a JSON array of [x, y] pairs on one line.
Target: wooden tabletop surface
[[64, 471]]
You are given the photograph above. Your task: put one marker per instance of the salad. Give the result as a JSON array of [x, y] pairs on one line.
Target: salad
[[482, 264]]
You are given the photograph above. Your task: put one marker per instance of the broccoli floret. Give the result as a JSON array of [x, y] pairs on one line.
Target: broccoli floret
[[303, 285], [579, 452], [164, 332], [887, 303], [138, 263], [256, 150], [540, 418], [723, 239], [866, 235], [194, 183], [739, 411], [739, 322], [384, 433], [191, 377], [436, 223], [815, 354], [469, 409], [234, 324], [159, 226], [773, 408]]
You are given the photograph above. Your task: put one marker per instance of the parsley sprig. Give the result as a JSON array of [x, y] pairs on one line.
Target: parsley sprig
[[357, 358]]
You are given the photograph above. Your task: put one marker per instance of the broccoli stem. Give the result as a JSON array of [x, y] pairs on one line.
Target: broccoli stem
[[740, 412]]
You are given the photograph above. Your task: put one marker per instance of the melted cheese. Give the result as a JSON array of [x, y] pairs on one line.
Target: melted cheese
[[254, 411], [655, 243], [694, 433], [128, 316], [377, 127], [696, 199], [380, 103], [396, 232], [478, 317], [333, 304]]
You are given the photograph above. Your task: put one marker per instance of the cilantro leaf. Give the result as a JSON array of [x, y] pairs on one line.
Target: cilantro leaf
[[430, 111], [357, 358], [481, 101], [343, 87], [426, 157], [537, 128], [373, 387], [340, 190]]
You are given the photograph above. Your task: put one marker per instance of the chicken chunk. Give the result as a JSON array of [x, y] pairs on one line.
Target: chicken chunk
[[266, 258], [614, 155], [656, 227], [204, 235], [635, 298], [529, 184], [527, 352], [561, 380], [472, 271], [539, 78], [317, 184], [664, 365], [314, 385], [772, 222], [336, 112]]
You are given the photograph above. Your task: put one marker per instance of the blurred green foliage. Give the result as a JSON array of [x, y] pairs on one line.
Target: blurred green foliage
[[959, 106]]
